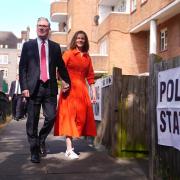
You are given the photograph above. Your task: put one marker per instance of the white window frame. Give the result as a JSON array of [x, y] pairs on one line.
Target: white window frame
[[69, 23], [133, 5], [103, 47], [121, 7], [163, 39], [3, 59]]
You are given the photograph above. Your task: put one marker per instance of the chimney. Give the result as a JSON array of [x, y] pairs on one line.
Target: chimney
[[28, 32], [25, 34]]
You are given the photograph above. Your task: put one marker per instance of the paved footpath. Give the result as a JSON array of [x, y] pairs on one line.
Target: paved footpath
[[93, 164]]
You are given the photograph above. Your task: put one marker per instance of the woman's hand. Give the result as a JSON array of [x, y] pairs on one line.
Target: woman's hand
[[65, 86], [93, 99]]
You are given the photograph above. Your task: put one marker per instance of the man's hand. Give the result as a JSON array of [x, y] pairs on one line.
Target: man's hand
[[25, 93], [93, 100], [24, 99], [65, 86], [10, 98]]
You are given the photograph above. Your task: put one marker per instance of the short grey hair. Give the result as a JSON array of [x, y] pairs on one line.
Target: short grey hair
[[43, 18]]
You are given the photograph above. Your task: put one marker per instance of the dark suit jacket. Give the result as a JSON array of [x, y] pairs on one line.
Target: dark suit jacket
[[29, 66], [12, 88]]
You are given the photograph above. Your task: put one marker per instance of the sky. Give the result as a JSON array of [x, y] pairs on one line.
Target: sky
[[17, 15]]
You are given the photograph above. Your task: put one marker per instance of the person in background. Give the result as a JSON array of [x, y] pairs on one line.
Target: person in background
[[17, 99], [75, 116], [40, 60]]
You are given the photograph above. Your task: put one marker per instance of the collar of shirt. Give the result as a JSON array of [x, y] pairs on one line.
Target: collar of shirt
[[76, 51], [17, 88], [39, 41]]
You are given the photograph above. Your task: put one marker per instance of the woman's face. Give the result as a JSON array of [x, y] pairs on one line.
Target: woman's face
[[80, 41]]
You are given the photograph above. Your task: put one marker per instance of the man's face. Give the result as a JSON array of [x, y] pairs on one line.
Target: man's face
[[43, 29]]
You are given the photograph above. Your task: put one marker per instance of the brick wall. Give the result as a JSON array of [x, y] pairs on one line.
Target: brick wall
[[129, 52], [173, 47], [147, 9]]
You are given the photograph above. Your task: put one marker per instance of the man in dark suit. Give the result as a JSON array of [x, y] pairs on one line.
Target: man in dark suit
[[40, 59], [17, 99]]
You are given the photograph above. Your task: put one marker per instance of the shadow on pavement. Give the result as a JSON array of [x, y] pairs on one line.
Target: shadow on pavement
[[15, 160]]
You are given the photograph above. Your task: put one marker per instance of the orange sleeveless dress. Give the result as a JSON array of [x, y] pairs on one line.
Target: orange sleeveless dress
[[75, 114]]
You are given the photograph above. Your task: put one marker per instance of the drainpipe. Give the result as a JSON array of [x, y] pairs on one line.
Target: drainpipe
[[153, 37]]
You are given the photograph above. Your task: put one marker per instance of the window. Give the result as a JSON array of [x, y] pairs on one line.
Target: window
[[163, 39], [103, 47], [122, 6], [133, 5], [5, 72], [3, 59], [69, 23]]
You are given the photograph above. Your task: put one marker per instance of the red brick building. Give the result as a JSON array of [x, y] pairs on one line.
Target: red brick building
[[122, 33]]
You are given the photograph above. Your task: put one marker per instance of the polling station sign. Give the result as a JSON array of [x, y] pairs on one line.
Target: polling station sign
[[99, 85], [97, 105], [168, 108]]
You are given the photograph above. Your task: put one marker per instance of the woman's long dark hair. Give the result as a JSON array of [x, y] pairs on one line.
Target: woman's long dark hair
[[85, 48]]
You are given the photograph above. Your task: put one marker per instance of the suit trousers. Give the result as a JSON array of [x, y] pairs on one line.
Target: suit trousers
[[17, 106], [42, 98]]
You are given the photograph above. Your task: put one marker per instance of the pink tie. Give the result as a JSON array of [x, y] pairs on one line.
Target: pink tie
[[44, 77]]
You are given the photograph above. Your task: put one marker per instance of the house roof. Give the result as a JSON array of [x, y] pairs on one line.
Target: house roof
[[8, 38]]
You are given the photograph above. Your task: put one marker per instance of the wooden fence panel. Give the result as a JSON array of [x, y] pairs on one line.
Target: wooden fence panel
[[152, 113], [116, 95], [133, 114], [103, 132], [165, 160], [124, 119]]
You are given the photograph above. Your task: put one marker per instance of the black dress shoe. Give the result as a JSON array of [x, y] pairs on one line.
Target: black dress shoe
[[42, 150], [35, 158]]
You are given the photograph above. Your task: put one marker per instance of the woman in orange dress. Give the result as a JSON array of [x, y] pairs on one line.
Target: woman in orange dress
[[75, 114]]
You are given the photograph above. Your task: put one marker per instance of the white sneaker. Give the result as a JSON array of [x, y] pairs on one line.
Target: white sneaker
[[71, 154]]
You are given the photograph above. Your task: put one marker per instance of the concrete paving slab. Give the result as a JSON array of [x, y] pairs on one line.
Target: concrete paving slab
[[92, 165], [15, 164], [94, 176]]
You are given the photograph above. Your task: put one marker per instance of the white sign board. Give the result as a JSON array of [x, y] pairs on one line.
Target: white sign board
[[168, 108], [97, 104], [99, 84], [107, 81]]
